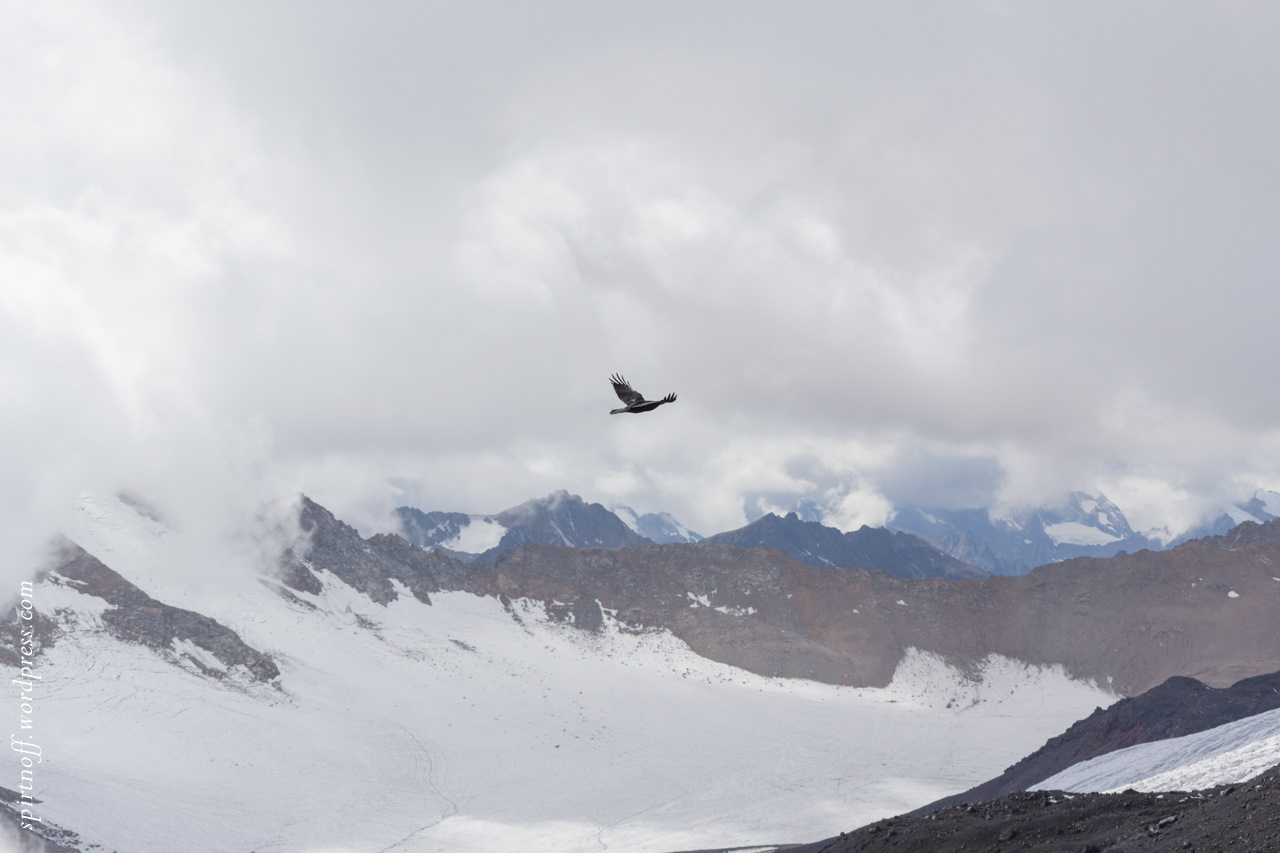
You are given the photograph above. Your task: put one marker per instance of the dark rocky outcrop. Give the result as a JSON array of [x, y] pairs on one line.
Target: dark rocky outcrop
[[368, 565], [1179, 706], [1229, 817]]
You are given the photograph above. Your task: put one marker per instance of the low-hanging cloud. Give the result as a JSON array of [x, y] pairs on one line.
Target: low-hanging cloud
[[391, 255]]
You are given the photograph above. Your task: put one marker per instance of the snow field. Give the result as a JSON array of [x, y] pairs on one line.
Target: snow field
[[1224, 755], [463, 726]]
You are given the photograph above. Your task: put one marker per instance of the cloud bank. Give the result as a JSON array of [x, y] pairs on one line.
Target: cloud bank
[[980, 254]]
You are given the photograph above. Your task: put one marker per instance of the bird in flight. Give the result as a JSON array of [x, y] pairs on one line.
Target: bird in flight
[[634, 400]]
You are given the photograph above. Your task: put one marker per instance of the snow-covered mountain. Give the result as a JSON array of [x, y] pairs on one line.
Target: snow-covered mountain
[[1082, 525], [1263, 506], [1009, 544], [1002, 543], [558, 519], [660, 527], [352, 700], [902, 554]]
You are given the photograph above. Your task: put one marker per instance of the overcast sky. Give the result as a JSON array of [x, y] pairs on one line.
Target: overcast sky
[[384, 253]]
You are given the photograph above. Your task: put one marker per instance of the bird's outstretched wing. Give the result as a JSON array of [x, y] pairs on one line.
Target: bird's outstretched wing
[[625, 392]]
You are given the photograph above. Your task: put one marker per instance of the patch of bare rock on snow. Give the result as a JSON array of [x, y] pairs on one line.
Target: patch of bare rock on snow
[[1244, 817]]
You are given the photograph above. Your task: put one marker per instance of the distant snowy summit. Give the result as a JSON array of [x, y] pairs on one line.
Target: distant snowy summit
[[1082, 525], [558, 519], [659, 527]]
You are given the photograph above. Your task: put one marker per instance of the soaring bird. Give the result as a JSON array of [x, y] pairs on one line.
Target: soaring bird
[[635, 401]]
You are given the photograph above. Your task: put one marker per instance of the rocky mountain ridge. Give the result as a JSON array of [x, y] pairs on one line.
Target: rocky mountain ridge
[[1205, 609]]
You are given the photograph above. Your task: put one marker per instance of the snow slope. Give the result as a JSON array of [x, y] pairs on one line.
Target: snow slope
[[477, 537], [1229, 753], [465, 726], [1075, 533]]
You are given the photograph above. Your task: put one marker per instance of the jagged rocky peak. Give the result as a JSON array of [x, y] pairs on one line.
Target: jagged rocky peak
[[432, 529], [1246, 534], [1084, 519], [560, 518], [565, 519], [368, 565]]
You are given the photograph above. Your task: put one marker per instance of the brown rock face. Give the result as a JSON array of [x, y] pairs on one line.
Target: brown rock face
[[1206, 609]]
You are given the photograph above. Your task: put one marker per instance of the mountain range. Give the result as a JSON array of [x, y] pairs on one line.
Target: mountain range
[[1082, 525], [647, 697], [568, 520], [917, 542], [558, 519]]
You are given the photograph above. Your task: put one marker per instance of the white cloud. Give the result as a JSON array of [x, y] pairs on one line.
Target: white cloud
[[391, 255]]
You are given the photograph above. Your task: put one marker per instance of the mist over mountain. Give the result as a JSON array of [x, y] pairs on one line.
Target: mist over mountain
[[904, 264], [660, 527], [1082, 525], [916, 542]]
